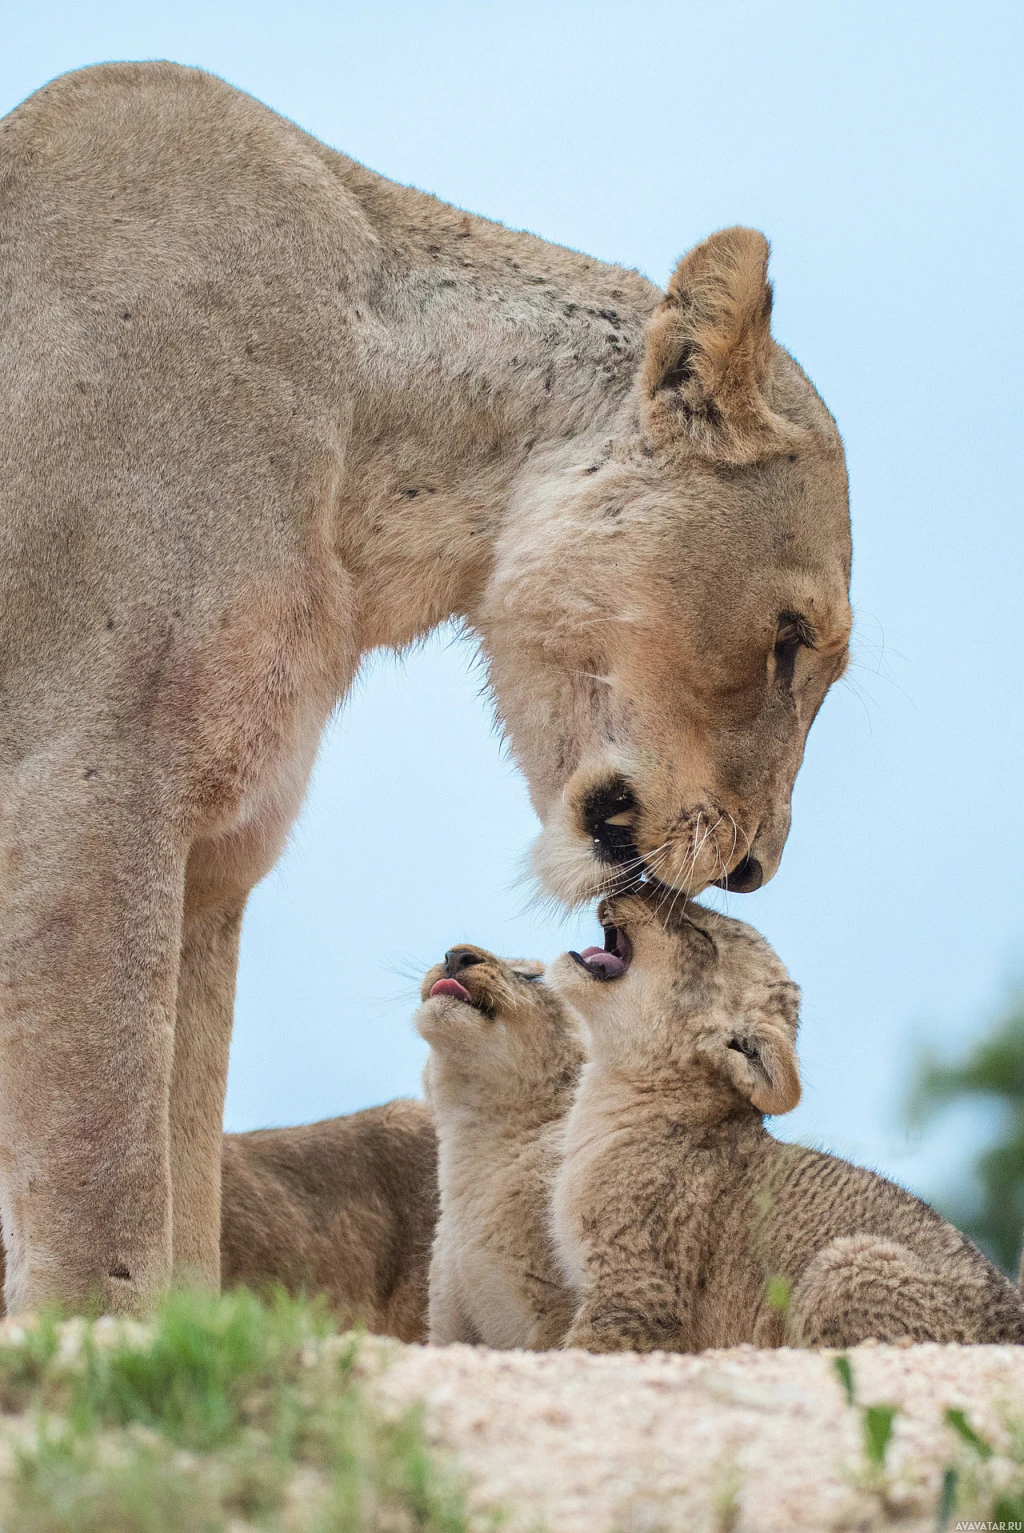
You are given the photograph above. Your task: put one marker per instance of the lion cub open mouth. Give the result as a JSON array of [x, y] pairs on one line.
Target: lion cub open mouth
[[453, 988], [474, 977], [609, 962]]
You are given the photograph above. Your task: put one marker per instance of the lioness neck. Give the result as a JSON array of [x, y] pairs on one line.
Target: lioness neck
[[478, 351]]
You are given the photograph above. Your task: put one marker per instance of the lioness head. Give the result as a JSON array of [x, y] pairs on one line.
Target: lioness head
[[496, 1031], [669, 603], [686, 999]]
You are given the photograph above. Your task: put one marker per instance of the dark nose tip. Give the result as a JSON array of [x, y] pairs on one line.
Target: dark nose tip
[[745, 877], [459, 958]]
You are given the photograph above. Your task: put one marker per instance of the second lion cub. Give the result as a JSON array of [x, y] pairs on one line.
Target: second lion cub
[[504, 1058], [680, 1221]]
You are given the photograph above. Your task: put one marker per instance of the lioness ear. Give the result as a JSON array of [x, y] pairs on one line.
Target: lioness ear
[[761, 1063], [707, 351]]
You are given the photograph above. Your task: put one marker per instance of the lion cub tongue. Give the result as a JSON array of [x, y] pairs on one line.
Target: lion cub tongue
[[450, 987], [607, 964]]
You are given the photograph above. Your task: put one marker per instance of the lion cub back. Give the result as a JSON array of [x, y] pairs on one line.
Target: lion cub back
[[345, 1207]]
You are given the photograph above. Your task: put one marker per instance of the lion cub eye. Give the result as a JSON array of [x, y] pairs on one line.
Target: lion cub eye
[[793, 633]]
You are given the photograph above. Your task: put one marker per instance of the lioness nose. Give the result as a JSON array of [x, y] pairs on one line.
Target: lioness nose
[[745, 877], [458, 958]]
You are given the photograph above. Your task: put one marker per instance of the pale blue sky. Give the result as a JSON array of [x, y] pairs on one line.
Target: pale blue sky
[[879, 146]]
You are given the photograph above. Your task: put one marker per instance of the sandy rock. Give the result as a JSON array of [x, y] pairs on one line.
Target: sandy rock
[[740, 1441]]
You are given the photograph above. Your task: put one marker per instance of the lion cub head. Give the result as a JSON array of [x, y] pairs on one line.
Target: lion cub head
[[686, 1000], [669, 600], [497, 1032]]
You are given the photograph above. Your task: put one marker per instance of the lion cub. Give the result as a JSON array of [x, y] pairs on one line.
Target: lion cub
[[345, 1208], [504, 1059], [679, 1221]]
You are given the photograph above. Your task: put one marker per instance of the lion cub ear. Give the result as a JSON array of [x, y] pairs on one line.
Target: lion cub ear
[[761, 1062], [707, 352]]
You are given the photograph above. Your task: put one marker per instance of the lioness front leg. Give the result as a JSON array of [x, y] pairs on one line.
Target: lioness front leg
[[90, 934], [202, 1040]]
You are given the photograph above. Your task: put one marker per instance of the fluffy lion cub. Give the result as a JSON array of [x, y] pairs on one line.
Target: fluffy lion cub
[[504, 1059], [345, 1207], [680, 1222]]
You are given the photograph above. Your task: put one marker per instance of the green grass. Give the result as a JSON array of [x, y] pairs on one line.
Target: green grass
[[977, 1485], [224, 1414], [970, 1489]]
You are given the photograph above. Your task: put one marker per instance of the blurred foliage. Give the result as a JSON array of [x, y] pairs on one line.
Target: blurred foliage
[[225, 1414], [991, 1210]]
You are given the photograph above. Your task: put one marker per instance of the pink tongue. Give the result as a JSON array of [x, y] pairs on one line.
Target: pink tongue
[[452, 987], [605, 963]]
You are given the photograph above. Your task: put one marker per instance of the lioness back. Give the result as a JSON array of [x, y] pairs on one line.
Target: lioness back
[[345, 1207]]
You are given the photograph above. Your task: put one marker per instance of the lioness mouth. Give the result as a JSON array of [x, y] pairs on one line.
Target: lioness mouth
[[608, 815], [609, 962]]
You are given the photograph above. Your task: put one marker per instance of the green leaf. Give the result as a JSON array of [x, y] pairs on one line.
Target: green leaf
[[878, 1421], [844, 1370], [778, 1291], [958, 1421], [1008, 1509], [947, 1498], [988, 1200]]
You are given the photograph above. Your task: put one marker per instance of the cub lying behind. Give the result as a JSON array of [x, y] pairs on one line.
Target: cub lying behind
[[680, 1222], [504, 1058], [345, 1208]]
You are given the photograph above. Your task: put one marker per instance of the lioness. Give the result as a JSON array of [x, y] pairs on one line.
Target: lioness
[[681, 1223], [504, 1060], [264, 411]]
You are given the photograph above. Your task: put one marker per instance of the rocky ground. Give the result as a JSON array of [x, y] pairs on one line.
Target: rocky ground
[[230, 1415], [740, 1440]]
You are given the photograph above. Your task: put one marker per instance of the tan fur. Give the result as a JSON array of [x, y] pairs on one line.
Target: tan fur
[[710, 338], [680, 1222], [499, 1079], [264, 411], [344, 1208]]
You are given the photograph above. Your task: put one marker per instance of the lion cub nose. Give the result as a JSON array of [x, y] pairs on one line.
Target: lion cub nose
[[458, 958]]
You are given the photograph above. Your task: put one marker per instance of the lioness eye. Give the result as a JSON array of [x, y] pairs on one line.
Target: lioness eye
[[793, 633]]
